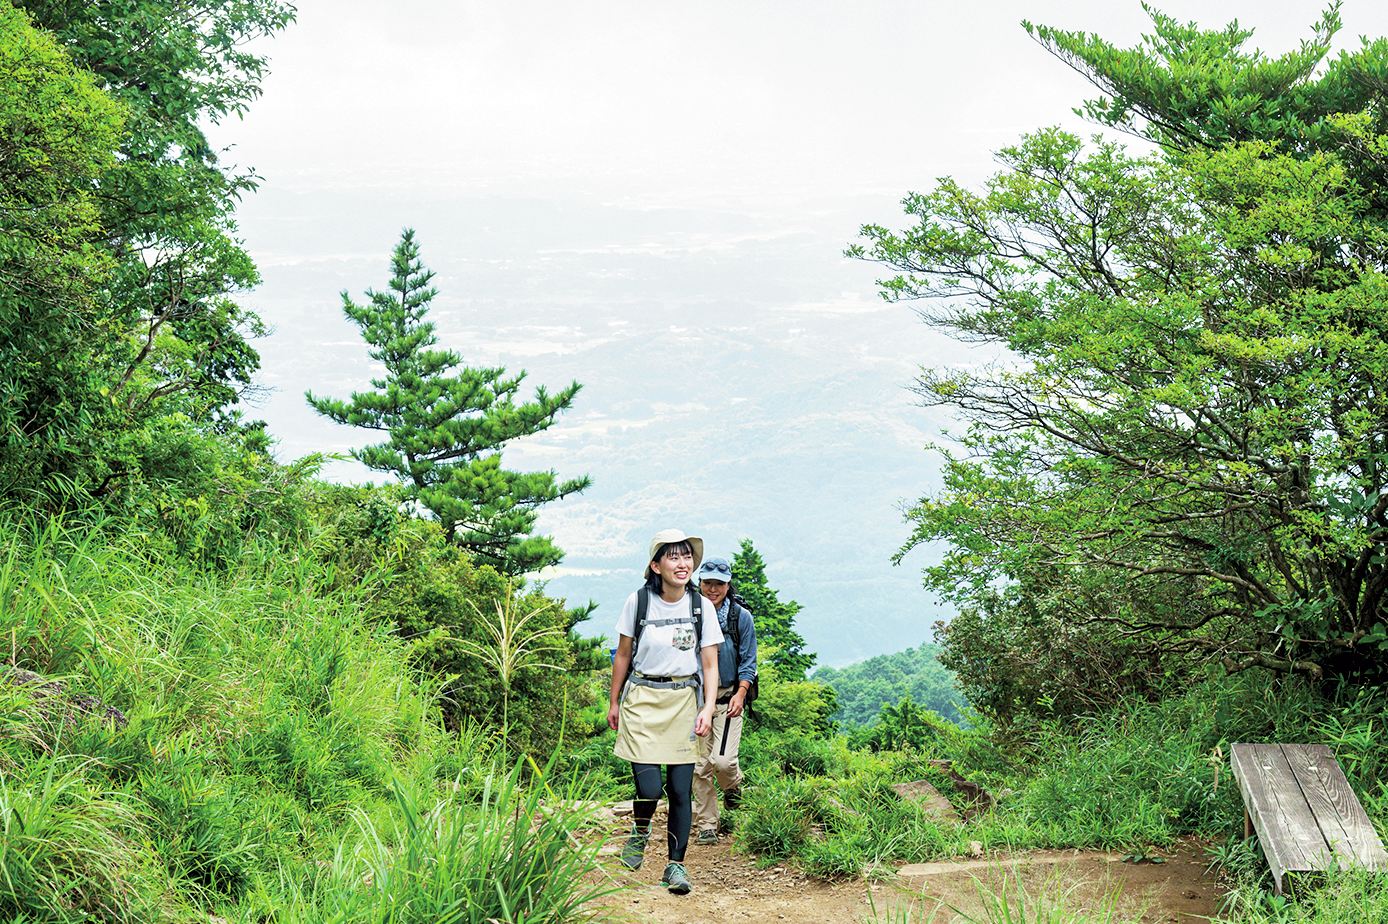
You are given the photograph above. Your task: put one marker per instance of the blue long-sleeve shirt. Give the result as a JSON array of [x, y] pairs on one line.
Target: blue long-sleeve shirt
[[737, 662]]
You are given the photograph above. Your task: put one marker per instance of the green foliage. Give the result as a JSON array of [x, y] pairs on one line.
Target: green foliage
[[1019, 653], [446, 607], [834, 858], [775, 819], [595, 762], [1134, 778], [799, 708], [1008, 900], [515, 645], [137, 318], [272, 721], [1187, 451], [1346, 897], [862, 689], [447, 425], [512, 858], [58, 134], [775, 621], [904, 726], [210, 495], [1183, 86], [63, 850]]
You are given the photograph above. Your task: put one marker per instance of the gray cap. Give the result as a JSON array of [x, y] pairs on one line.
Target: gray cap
[[714, 569]]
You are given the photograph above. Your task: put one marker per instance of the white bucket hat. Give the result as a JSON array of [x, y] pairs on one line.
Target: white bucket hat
[[671, 536]]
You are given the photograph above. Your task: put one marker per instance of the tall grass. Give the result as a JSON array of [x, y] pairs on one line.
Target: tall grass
[[270, 725], [515, 856], [69, 849], [1139, 776], [1007, 899]]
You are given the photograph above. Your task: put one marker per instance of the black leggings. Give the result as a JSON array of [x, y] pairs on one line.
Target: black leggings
[[679, 782]]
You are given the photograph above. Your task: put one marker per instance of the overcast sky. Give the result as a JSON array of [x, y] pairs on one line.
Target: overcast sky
[[690, 100], [714, 147]]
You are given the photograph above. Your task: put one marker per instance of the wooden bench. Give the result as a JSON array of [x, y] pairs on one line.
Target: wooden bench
[[1297, 798]]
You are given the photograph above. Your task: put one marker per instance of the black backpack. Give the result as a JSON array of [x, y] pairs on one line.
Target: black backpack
[[735, 632]]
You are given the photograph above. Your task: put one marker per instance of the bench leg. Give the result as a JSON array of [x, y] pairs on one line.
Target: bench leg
[[1247, 825]]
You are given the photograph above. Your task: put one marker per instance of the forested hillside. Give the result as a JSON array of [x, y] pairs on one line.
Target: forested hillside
[[916, 674]]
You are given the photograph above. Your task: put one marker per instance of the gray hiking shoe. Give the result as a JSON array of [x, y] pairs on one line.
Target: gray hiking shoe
[[707, 838], [676, 879], [634, 850]]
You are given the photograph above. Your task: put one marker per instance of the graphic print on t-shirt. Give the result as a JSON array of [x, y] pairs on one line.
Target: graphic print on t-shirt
[[683, 638]]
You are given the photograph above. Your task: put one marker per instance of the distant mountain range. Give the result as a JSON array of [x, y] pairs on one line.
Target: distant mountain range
[[740, 379]]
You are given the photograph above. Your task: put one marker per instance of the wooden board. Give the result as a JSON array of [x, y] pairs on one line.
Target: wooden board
[[1342, 820], [1305, 813]]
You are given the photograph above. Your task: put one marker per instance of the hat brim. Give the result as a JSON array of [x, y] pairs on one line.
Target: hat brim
[[670, 536]]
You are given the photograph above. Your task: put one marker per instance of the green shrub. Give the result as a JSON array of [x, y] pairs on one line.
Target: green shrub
[[511, 858], [834, 858], [774, 819], [605, 771]]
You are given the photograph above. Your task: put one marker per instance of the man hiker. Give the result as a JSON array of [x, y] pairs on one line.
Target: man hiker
[[717, 766]]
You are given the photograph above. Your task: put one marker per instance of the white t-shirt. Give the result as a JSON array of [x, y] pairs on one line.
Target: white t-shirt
[[669, 650]]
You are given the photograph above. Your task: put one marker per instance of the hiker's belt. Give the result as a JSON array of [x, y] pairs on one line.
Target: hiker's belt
[[666, 682], [725, 695], [654, 678]]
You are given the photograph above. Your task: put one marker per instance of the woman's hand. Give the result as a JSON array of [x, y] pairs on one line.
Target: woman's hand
[[704, 723], [621, 665]]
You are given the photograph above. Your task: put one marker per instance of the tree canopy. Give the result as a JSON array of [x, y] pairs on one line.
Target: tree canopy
[[914, 674], [447, 424], [156, 334], [1181, 444]]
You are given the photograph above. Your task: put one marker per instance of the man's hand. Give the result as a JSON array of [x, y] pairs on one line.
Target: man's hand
[[735, 704]]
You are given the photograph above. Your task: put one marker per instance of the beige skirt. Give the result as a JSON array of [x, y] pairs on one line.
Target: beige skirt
[[657, 726]]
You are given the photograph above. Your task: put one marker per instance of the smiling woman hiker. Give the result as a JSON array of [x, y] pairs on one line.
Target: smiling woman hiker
[[664, 683]]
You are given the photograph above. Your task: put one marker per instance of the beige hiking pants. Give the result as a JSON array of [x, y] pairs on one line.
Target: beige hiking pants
[[716, 767]]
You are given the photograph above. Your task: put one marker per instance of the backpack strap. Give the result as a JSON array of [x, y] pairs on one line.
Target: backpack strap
[[643, 603], [696, 606], [734, 627], [736, 608]]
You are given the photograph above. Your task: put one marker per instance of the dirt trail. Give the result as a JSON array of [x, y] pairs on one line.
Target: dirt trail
[[728, 886]]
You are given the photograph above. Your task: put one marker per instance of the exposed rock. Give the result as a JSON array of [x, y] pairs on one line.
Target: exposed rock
[[53, 706], [838, 806], [981, 798], [935, 805]]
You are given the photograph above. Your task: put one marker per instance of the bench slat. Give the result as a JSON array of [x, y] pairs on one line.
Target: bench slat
[[1342, 820]]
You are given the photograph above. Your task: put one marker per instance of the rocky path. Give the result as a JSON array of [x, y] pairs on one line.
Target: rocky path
[[729, 886]]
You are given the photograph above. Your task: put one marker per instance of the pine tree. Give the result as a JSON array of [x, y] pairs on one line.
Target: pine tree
[[447, 424], [774, 620]]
